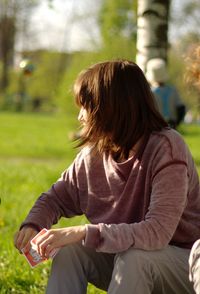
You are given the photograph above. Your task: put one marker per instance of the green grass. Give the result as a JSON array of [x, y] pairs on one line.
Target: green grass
[[34, 150]]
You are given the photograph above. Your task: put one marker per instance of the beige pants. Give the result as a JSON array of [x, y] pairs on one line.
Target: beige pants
[[131, 272]]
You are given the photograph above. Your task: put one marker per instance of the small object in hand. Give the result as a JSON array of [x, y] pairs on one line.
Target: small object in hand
[[32, 256]]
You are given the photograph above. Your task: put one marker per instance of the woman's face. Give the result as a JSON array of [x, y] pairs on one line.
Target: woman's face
[[82, 117]]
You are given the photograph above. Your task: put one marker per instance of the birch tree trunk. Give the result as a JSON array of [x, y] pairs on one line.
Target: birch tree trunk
[[152, 30]]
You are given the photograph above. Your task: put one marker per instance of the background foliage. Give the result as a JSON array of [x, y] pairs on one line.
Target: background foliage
[[48, 87]]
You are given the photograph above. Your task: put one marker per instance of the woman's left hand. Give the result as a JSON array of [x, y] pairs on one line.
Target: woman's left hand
[[56, 238]]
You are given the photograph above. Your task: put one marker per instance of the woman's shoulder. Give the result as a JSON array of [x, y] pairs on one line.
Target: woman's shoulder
[[168, 134], [171, 140]]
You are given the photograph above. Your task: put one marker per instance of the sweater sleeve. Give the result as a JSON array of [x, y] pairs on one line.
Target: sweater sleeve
[[60, 200]]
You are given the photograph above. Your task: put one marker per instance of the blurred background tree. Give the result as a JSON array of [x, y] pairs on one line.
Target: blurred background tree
[[188, 21], [152, 30], [118, 23], [14, 17], [175, 29]]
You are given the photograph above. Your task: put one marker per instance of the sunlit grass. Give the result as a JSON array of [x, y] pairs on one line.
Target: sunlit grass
[[34, 150]]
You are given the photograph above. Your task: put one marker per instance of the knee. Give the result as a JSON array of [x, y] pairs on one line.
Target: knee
[[65, 256], [61, 257], [133, 254], [134, 257]]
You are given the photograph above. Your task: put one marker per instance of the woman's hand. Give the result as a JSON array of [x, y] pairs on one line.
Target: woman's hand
[[56, 238], [22, 238]]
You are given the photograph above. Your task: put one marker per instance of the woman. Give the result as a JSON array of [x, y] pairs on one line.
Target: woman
[[135, 181]]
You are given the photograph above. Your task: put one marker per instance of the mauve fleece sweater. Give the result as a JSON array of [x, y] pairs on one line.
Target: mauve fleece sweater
[[147, 202]]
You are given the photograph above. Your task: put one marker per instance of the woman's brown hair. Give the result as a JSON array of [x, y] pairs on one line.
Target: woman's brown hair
[[120, 106]]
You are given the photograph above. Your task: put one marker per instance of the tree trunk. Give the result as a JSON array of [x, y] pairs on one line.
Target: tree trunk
[[152, 30], [12, 13], [7, 37]]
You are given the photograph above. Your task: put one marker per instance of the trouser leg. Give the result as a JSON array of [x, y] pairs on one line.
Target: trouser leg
[[151, 272], [74, 266], [194, 263]]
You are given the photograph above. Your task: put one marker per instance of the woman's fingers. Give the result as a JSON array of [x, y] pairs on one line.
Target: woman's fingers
[[23, 237], [49, 241], [17, 240], [43, 244]]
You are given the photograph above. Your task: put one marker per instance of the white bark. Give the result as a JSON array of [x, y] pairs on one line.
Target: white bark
[[152, 30]]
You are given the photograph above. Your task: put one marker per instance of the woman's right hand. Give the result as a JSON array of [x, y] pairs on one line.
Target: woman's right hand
[[23, 237]]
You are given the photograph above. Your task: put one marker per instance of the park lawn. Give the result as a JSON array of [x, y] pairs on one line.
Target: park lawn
[[34, 150]]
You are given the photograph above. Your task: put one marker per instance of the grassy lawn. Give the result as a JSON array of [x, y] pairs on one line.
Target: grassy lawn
[[34, 150]]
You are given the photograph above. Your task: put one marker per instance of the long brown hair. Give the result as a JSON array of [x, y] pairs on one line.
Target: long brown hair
[[120, 106]]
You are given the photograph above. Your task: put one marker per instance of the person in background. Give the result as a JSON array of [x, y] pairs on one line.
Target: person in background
[[167, 96], [134, 179]]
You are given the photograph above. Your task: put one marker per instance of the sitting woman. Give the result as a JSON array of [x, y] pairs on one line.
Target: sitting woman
[[135, 181]]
